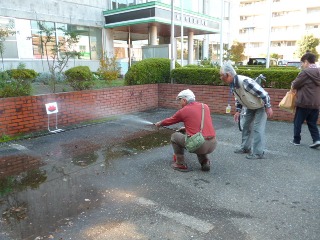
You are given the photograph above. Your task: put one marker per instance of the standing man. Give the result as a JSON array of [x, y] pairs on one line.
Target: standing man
[[250, 94], [191, 115], [307, 85]]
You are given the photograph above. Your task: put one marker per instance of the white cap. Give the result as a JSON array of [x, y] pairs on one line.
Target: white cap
[[186, 94]]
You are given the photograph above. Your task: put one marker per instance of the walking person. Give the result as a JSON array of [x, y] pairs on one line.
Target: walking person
[[191, 115], [250, 94], [307, 103]]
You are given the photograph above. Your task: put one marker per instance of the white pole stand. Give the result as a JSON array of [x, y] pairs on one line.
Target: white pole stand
[[52, 108]]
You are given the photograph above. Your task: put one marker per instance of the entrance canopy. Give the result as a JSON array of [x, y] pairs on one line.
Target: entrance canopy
[[139, 18]]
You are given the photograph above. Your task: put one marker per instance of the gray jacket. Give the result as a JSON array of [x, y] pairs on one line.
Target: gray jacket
[[307, 85]]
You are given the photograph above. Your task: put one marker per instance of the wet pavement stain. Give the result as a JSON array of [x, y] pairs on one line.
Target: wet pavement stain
[[15, 163], [141, 143], [85, 159], [79, 148], [44, 193]]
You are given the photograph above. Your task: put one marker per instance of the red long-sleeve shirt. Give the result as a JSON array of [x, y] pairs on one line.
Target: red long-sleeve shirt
[[190, 115]]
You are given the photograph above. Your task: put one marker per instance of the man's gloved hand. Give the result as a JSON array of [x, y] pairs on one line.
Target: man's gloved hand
[[182, 130], [158, 124]]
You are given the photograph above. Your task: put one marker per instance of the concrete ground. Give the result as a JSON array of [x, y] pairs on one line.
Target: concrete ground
[[113, 180]]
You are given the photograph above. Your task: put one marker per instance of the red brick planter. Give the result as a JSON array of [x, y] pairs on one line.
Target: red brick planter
[[28, 114]]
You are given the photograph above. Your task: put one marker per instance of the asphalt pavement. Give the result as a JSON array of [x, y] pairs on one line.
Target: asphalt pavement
[[113, 180]]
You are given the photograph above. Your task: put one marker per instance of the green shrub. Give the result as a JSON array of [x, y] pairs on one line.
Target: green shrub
[[109, 68], [276, 78], [191, 66], [197, 76], [205, 62], [26, 74], [79, 78], [46, 77], [151, 70], [16, 82]]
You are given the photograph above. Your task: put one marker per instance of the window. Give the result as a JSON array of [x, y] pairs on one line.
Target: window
[[312, 26], [83, 46], [43, 43], [256, 44], [10, 49], [125, 3], [95, 43], [122, 3], [89, 45], [290, 43], [313, 10]]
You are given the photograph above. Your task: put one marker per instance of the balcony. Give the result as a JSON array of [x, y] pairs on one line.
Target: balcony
[[288, 20], [253, 9], [287, 35], [285, 7], [252, 22], [312, 18], [314, 31]]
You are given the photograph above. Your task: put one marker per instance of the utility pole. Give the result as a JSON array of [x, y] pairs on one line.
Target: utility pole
[[172, 63]]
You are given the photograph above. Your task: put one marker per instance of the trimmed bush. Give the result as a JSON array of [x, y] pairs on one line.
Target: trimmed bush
[[26, 74], [276, 78], [197, 76], [79, 78], [46, 78], [16, 82], [151, 70]]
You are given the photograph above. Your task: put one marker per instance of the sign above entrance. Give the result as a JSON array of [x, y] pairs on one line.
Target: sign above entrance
[[192, 20]]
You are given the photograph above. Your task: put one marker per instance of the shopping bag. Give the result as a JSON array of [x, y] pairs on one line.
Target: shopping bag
[[288, 102], [194, 142]]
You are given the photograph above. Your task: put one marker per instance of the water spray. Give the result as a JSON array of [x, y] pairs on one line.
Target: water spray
[[145, 122]]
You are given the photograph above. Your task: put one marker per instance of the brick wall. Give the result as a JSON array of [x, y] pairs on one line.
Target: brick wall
[[217, 98], [28, 114]]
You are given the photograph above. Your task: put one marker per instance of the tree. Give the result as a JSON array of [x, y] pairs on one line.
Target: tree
[[308, 43], [5, 31], [109, 69], [57, 52], [275, 55], [235, 53]]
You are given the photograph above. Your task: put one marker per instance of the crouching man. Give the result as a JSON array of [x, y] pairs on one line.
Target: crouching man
[[190, 114]]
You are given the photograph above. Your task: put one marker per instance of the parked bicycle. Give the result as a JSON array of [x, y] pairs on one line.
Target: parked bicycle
[[258, 79]]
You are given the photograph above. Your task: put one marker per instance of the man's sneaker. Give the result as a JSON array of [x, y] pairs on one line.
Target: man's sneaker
[[296, 144], [255, 156], [315, 144], [205, 165], [242, 151], [174, 158], [180, 167]]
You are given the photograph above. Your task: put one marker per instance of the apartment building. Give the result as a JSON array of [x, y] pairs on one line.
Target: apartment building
[[281, 22]]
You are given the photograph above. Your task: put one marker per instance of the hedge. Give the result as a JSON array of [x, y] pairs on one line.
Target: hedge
[[275, 78], [151, 70]]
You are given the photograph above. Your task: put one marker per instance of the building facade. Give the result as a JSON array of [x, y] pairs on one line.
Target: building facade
[[24, 46], [282, 23], [122, 27], [139, 23]]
